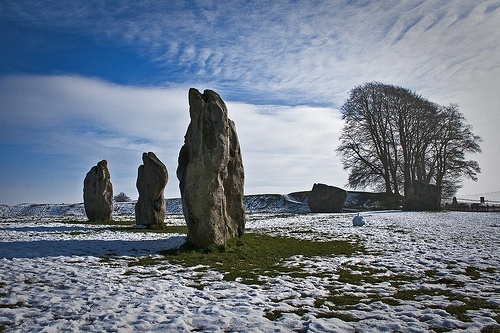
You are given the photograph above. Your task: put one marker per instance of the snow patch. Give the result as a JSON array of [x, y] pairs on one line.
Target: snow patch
[[415, 267]]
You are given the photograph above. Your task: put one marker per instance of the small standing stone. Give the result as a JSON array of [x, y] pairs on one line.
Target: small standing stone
[[152, 177], [98, 193], [211, 173]]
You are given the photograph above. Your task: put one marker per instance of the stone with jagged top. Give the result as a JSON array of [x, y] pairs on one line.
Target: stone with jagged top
[[211, 173]]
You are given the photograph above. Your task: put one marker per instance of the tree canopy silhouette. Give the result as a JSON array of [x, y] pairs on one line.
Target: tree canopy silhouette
[[392, 137], [121, 197]]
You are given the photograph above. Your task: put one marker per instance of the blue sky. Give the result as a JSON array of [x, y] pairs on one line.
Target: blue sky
[[82, 81]]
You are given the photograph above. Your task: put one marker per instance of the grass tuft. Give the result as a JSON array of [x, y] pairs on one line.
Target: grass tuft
[[472, 272]]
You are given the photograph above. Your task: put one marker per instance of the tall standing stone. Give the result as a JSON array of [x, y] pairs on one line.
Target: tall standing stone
[[152, 177], [211, 173], [98, 193]]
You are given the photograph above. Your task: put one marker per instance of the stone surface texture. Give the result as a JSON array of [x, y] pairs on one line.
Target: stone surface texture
[[98, 193], [211, 173], [422, 196], [326, 199], [152, 177], [359, 201]]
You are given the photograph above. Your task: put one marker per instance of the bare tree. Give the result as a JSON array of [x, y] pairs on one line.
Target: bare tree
[[121, 197], [365, 147], [392, 136], [453, 142]]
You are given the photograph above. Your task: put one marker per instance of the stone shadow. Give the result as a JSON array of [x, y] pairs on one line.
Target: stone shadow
[[78, 247]]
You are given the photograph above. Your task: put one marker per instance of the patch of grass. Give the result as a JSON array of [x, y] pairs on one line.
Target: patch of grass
[[276, 314], [146, 261], [472, 272], [77, 233], [450, 282], [457, 310], [491, 329], [390, 301], [105, 260], [413, 294], [254, 255], [339, 315], [430, 273], [490, 270], [439, 329], [273, 315], [11, 306], [344, 301], [470, 303], [359, 274], [2, 293]]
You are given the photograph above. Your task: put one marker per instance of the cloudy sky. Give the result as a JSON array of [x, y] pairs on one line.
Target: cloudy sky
[[82, 81]]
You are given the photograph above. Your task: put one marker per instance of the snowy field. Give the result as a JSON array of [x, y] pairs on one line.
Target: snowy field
[[417, 272]]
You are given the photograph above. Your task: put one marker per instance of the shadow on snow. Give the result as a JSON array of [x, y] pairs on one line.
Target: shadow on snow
[[78, 247]]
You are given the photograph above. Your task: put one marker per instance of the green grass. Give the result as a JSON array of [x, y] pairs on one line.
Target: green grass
[[472, 272], [459, 311], [11, 306], [253, 255], [491, 329]]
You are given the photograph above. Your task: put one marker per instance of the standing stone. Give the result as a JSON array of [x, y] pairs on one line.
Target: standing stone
[[326, 199], [422, 196], [152, 177], [211, 173], [98, 193]]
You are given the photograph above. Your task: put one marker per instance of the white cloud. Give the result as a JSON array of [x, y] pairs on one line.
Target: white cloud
[[85, 120], [317, 50], [288, 149], [295, 53], [75, 122]]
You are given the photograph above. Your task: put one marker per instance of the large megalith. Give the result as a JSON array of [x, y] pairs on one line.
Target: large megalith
[[211, 173], [422, 196], [152, 177], [326, 199], [98, 193]]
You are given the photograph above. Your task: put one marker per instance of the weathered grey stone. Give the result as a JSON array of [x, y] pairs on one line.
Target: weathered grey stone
[[152, 177], [359, 201], [326, 199], [422, 196], [98, 193], [211, 173]]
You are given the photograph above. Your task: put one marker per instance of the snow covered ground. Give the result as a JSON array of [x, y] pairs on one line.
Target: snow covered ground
[[419, 272]]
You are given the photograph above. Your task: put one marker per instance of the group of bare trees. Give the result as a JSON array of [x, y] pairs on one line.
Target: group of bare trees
[[392, 137]]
